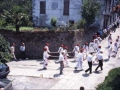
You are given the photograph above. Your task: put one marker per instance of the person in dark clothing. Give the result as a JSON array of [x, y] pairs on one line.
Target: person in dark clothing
[[114, 27], [100, 59], [22, 51], [89, 59]]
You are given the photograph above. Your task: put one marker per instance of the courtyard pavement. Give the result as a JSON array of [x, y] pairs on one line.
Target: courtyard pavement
[[71, 79]]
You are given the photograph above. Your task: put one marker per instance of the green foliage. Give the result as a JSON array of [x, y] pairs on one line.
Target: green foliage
[[16, 12], [90, 9], [112, 81], [4, 50], [53, 21], [81, 23]]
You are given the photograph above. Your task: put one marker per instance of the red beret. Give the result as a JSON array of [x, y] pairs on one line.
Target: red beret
[[61, 45], [47, 44], [99, 46], [86, 43], [78, 44], [66, 47]]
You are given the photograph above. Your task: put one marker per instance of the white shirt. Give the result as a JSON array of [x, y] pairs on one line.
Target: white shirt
[[76, 49], [12, 49], [96, 41], [99, 56], [110, 47], [116, 44], [105, 31], [91, 44], [85, 47], [89, 57], [61, 57], [22, 48], [60, 50], [45, 55]]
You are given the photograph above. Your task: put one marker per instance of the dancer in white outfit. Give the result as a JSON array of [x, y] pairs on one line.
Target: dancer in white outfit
[[118, 38], [47, 47], [76, 51], [91, 47], [110, 50], [79, 61], [116, 45], [109, 39], [60, 49], [45, 58], [85, 51], [99, 39], [66, 55], [96, 44]]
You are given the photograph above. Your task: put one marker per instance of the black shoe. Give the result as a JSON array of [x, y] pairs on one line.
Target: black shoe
[[44, 68], [75, 68], [61, 73], [90, 73]]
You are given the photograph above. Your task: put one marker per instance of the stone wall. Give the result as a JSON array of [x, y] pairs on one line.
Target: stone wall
[[35, 41]]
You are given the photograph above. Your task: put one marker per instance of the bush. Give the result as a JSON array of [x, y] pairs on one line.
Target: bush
[[54, 21], [4, 50], [112, 81], [81, 23]]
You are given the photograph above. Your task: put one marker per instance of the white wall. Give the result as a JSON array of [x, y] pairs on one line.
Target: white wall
[[51, 11]]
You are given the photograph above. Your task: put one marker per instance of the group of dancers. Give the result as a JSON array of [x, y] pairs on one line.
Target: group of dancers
[[85, 53]]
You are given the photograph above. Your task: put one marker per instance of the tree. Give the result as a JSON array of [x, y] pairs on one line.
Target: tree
[[16, 12], [90, 9], [4, 50], [16, 16]]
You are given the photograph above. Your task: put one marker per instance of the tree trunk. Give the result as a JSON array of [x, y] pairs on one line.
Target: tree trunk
[[17, 28]]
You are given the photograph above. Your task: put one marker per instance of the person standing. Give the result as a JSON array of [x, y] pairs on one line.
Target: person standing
[[80, 60], [66, 55], [60, 49], [96, 44], [110, 50], [22, 51], [116, 46], [109, 39], [76, 51], [118, 38], [99, 39], [13, 51], [91, 47], [85, 49], [100, 59], [47, 47], [89, 59], [61, 60], [45, 58]]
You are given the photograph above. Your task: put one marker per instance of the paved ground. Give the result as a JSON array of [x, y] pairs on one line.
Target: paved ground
[[71, 79]]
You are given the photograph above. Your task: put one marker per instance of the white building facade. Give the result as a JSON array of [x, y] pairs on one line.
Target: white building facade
[[64, 10]]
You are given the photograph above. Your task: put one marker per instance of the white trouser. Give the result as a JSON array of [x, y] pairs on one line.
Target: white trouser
[[45, 63], [13, 55]]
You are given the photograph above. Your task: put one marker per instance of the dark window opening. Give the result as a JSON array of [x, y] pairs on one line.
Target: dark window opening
[[66, 7], [42, 7]]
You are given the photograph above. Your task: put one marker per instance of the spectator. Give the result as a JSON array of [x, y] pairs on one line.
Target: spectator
[[22, 51], [13, 51]]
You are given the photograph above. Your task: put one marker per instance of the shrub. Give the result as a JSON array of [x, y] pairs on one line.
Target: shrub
[[112, 81], [54, 21], [4, 50], [81, 23]]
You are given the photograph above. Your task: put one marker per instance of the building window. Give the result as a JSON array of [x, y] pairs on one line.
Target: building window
[[42, 7], [66, 7]]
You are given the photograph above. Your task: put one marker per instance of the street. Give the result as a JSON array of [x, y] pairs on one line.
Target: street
[[28, 74]]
